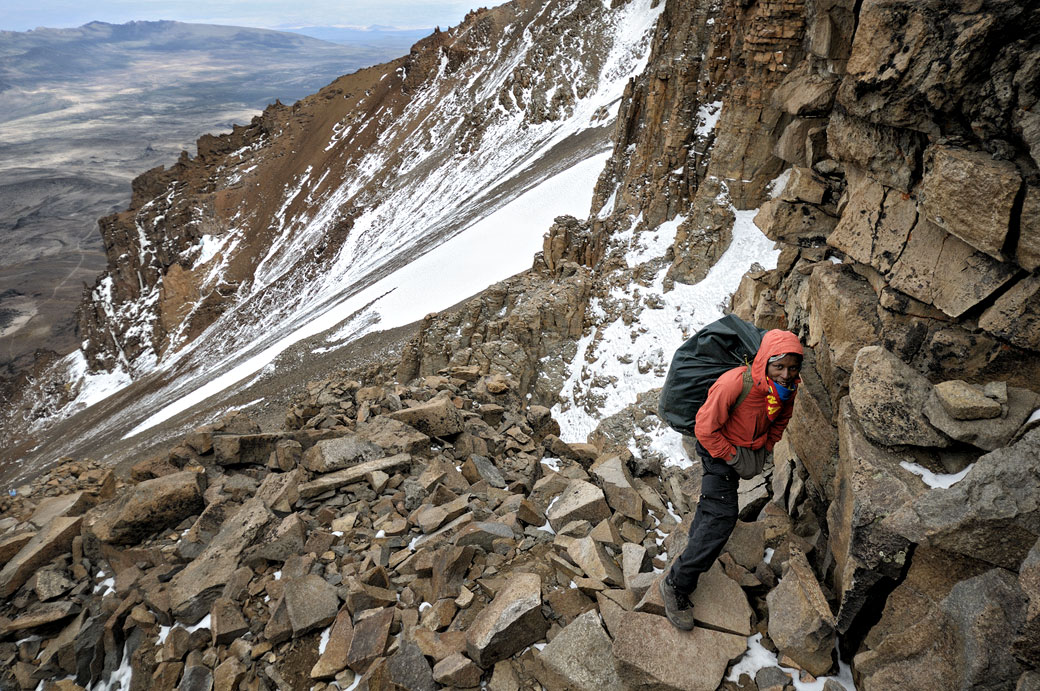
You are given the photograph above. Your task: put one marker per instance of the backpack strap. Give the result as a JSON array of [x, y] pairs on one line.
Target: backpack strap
[[748, 382]]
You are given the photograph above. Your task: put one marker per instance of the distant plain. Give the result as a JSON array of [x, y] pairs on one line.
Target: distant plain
[[86, 110]]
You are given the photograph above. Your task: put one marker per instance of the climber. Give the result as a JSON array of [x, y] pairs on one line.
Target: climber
[[732, 442]]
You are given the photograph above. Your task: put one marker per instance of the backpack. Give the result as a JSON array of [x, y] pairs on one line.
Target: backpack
[[714, 350]]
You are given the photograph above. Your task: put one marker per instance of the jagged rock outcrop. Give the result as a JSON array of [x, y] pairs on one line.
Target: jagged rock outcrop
[[899, 511]]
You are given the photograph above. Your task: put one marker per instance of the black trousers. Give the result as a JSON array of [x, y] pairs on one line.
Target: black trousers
[[712, 525]]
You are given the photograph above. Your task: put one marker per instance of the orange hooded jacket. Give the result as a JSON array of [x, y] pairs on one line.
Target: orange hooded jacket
[[720, 427]]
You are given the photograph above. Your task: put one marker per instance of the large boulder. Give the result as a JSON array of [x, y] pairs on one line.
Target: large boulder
[[1015, 315], [339, 453], [842, 316], [355, 473], [193, 590], [436, 418], [579, 658], [800, 621], [887, 154], [987, 611], [612, 475], [942, 270], [991, 515], [870, 484], [510, 622], [393, 436], [55, 539], [889, 396], [650, 653], [579, 501], [591, 556], [311, 603], [152, 505], [986, 434], [875, 224], [971, 195], [719, 603], [915, 643]]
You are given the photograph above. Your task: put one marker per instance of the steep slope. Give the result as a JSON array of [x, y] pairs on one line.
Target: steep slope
[[476, 537], [88, 109], [280, 223]]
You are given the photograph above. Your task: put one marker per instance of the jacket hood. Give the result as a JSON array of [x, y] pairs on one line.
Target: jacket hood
[[775, 342]]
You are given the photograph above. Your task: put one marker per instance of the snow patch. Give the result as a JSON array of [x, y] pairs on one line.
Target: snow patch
[[708, 116], [936, 480], [758, 657]]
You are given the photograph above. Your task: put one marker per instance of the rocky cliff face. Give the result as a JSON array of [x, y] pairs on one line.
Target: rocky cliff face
[[887, 148], [906, 237]]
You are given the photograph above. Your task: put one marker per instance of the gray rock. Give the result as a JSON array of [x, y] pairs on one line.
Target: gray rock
[[650, 653], [336, 454], [310, 602], [987, 611], [806, 91], [51, 541], [990, 434], [369, 639], [579, 658], [887, 154], [800, 621], [1029, 681], [794, 222], [436, 418], [73, 504], [152, 505], [962, 401], [612, 475], [196, 678], [772, 676], [193, 590], [942, 270], [408, 669], [510, 622], [356, 473], [747, 544], [579, 501], [484, 470], [51, 584], [334, 659], [482, 534], [457, 671], [889, 396], [970, 194], [719, 603], [393, 436], [226, 621], [280, 491], [991, 515], [592, 558], [875, 223], [870, 483], [1015, 316]]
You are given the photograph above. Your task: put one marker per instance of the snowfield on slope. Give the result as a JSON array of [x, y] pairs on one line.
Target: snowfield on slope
[[489, 251], [422, 205]]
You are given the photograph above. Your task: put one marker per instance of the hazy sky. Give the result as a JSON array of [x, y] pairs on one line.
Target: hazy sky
[[20, 15]]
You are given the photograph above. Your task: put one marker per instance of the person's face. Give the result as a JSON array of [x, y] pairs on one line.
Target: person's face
[[785, 370]]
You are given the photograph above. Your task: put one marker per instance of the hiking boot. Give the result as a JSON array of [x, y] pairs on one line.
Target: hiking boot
[[676, 605]]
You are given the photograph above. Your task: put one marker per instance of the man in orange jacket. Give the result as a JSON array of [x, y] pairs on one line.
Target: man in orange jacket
[[732, 441]]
